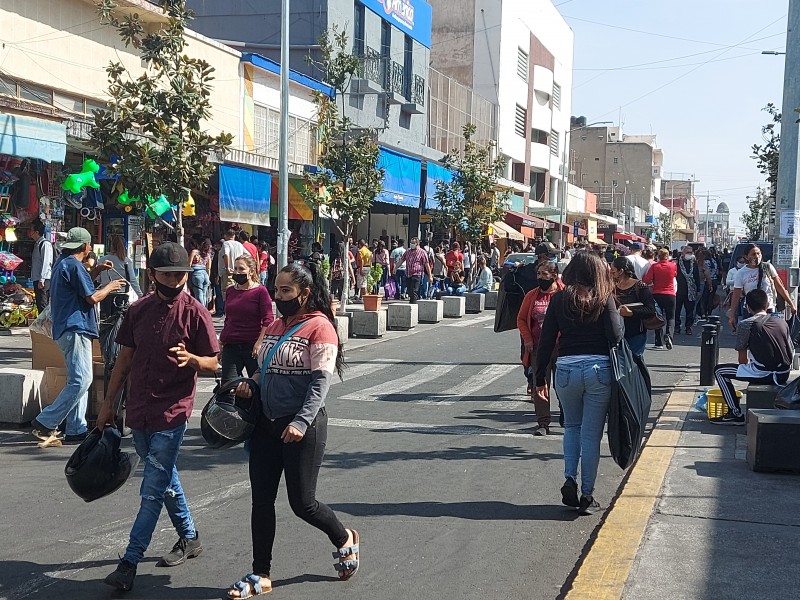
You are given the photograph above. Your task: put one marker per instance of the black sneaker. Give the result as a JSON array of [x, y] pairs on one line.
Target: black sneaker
[[184, 548], [541, 430], [688, 331], [123, 577], [728, 419], [76, 439], [588, 505], [569, 493], [668, 342]]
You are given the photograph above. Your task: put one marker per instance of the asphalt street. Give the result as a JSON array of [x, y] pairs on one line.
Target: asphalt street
[[430, 456]]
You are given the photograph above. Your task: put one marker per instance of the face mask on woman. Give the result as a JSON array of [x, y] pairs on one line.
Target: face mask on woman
[[240, 278], [288, 308], [544, 284], [740, 263]]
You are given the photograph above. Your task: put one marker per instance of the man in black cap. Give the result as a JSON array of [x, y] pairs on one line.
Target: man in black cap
[[166, 337], [545, 252]]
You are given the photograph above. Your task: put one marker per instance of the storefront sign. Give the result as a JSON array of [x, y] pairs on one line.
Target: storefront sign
[[411, 16], [591, 229]]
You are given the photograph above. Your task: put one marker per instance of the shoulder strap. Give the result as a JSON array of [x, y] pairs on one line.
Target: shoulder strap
[[271, 353]]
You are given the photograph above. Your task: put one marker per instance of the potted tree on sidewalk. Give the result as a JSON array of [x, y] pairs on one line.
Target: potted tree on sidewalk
[[372, 301]]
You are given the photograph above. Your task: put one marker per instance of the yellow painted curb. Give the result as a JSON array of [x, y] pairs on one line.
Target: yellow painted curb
[[606, 567]]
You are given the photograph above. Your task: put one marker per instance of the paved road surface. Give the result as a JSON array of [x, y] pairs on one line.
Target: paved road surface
[[429, 456]]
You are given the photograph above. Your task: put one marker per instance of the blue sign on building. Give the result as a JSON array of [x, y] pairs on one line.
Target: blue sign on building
[[411, 16]]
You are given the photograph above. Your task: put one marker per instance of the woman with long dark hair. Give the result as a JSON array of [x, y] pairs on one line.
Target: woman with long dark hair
[[292, 431], [635, 303], [584, 319], [200, 279]]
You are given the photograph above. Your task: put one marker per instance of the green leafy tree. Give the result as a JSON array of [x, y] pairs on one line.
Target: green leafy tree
[[756, 216], [766, 154], [152, 127], [348, 178], [665, 229], [469, 203]]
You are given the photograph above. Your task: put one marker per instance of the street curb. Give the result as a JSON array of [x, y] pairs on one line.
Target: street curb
[[606, 566]]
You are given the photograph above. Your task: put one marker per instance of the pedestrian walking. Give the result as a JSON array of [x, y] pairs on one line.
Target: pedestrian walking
[[363, 265], [439, 269], [529, 322], [469, 264], [73, 298], [417, 266], [635, 303], [217, 267], [249, 314], [165, 338], [701, 304], [264, 260], [291, 432], [688, 284], [399, 269], [765, 351], [661, 275], [251, 248], [494, 256], [381, 257], [200, 279], [41, 265], [231, 250], [583, 321], [640, 264], [122, 268]]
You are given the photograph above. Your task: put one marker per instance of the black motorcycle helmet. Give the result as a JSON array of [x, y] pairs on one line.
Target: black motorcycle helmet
[[97, 468], [227, 420]]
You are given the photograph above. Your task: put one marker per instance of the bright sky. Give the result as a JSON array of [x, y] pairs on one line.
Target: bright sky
[[690, 72]]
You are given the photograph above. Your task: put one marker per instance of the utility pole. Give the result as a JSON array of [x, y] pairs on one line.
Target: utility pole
[[708, 203], [283, 149]]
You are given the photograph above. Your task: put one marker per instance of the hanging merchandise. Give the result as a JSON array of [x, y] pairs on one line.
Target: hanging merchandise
[[10, 234], [125, 199], [157, 208], [189, 205], [8, 262], [77, 181]]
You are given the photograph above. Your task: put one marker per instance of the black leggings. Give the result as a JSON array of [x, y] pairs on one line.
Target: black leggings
[[300, 461], [236, 358], [666, 302]]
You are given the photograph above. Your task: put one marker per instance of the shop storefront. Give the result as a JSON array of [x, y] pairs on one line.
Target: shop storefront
[[301, 218], [531, 228]]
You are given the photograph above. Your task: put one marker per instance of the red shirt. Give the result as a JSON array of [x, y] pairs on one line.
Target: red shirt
[[452, 258], [161, 393], [251, 248], [662, 277], [247, 311]]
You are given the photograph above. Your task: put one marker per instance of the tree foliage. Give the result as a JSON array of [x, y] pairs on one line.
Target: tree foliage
[[348, 178], [766, 154], [665, 229], [756, 216], [469, 204], [152, 129]]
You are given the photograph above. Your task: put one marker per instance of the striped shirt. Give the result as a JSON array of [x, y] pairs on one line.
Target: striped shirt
[[416, 260]]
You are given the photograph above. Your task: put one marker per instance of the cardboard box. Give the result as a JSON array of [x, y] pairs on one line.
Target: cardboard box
[[46, 353], [53, 381], [97, 393]]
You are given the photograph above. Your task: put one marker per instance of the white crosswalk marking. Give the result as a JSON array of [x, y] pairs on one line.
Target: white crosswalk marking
[[415, 379], [505, 405], [470, 385], [428, 428], [355, 371], [467, 321]]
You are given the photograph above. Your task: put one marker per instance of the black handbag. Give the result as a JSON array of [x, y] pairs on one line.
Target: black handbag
[[630, 403], [789, 396], [513, 287]]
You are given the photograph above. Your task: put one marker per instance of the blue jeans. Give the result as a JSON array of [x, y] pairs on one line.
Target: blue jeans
[[219, 293], [160, 486], [457, 290], [584, 388], [400, 279], [71, 402], [637, 343], [263, 277], [424, 287], [480, 290], [199, 284]]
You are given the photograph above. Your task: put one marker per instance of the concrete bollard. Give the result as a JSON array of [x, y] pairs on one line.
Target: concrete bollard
[[20, 397], [491, 300], [454, 306], [403, 317], [474, 303], [342, 327], [430, 311], [369, 323]]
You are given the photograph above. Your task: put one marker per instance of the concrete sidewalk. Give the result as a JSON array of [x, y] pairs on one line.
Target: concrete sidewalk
[[693, 521]]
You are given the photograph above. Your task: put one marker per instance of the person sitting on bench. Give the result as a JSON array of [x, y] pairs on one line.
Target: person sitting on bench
[[765, 354]]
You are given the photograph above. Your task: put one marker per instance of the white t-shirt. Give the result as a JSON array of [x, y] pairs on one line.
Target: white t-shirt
[[746, 279], [397, 256], [233, 249], [640, 264]]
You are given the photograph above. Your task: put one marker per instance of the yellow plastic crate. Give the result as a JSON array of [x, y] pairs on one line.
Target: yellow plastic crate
[[717, 407]]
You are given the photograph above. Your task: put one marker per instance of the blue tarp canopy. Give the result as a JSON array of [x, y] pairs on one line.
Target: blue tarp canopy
[[27, 137], [401, 181], [244, 195], [435, 173]]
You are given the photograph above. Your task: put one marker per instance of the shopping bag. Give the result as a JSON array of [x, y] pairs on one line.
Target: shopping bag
[[795, 331], [43, 324], [630, 403], [789, 396], [390, 289]]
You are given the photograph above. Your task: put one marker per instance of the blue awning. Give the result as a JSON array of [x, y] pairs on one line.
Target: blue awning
[[244, 195], [401, 181], [435, 173], [27, 137]]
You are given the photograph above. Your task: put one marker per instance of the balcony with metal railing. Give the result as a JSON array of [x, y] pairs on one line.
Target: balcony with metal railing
[[415, 104], [371, 74]]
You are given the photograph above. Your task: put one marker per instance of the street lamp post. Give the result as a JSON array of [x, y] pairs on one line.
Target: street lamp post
[[565, 179], [283, 149]]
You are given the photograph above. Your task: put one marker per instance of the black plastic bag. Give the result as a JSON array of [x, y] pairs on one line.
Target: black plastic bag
[[795, 331], [629, 408], [513, 287], [789, 396]]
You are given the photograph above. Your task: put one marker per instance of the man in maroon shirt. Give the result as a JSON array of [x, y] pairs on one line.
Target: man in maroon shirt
[[166, 337]]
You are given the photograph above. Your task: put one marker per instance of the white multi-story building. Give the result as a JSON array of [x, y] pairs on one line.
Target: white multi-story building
[[518, 55]]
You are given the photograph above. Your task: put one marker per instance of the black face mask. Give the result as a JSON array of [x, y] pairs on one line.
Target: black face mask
[[240, 278], [288, 308], [166, 291], [545, 284]]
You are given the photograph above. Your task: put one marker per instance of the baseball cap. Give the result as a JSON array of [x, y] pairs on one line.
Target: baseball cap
[[545, 248], [76, 237], [637, 246], [169, 257]]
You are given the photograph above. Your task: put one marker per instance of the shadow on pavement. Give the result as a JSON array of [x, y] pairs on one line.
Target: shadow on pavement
[[354, 460], [477, 511]]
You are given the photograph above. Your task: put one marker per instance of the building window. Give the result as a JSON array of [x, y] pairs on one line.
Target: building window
[[386, 51], [557, 96], [358, 29], [408, 66], [520, 119], [35, 93], [554, 142], [266, 136], [69, 103], [260, 129], [522, 64], [613, 183], [596, 158], [538, 136], [616, 160]]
